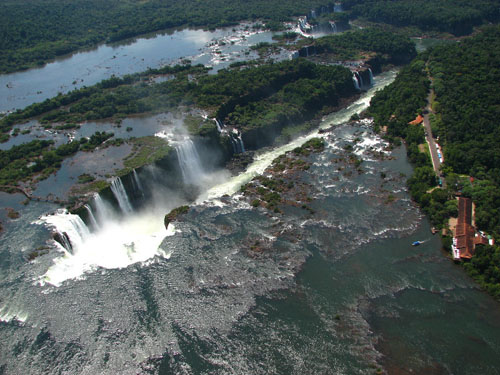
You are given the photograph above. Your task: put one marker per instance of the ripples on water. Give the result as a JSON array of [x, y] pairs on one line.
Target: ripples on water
[[248, 291]]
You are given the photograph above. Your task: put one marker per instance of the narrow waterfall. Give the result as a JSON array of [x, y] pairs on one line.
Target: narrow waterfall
[[102, 209], [92, 219], [371, 76], [333, 26], [121, 195], [219, 125], [137, 183], [355, 81], [360, 80], [337, 7], [241, 145], [189, 161]]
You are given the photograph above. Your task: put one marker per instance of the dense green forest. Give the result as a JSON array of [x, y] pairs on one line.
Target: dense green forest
[[453, 16], [353, 45], [35, 31], [465, 80]]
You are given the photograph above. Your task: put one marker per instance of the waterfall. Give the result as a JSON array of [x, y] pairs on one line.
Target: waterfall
[[102, 210], [242, 146], [121, 195], [371, 76], [360, 79], [333, 26], [137, 183], [355, 81], [189, 161], [219, 126], [337, 7], [92, 219], [69, 229]]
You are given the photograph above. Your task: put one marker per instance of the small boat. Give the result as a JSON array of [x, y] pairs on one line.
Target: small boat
[[416, 243]]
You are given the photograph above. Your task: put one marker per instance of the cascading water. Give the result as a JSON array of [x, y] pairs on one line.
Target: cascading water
[[91, 216], [241, 145], [71, 228], [355, 81], [137, 183], [360, 79], [102, 210], [333, 26], [219, 126], [189, 162], [371, 76], [121, 195]]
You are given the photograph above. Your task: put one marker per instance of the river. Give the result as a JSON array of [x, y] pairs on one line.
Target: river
[[232, 289], [212, 48]]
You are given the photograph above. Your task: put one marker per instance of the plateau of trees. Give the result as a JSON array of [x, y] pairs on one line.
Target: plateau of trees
[[453, 16], [351, 45], [34, 31]]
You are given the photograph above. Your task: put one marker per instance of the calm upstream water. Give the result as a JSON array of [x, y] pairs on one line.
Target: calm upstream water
[[213, 48], [233, 289]]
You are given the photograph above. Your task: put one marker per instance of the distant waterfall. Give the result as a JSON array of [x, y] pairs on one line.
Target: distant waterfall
[[361, 84], [137, 183], [333, 25], [237, 142], [189, 161], [337, 7], [371, 76], [92, 219], [121, 195], [219, 126], [242, 146], [355, 81]]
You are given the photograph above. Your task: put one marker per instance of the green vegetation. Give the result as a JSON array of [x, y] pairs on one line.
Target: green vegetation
[[39, 158], [453, 16], [465, 80], [146, 150], [34, 32], [484, 267], [357, 44]]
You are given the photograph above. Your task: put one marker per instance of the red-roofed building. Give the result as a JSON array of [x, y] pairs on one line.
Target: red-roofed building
[[417, 120], [466, 238]]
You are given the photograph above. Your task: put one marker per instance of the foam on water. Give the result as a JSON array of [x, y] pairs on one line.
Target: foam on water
[[114, 245], [264, 160]]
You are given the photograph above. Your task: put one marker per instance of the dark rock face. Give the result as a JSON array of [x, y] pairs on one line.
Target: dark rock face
[[174, 214]]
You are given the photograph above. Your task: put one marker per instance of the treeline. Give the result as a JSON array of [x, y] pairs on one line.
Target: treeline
[[35, 31], [349, 45], [38, 157], [465, 80], [467, 108], [453, 16], [392, 109], [107, 98], [246, 95]]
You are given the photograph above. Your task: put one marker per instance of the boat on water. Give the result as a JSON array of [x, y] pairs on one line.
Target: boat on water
[[416, 243]]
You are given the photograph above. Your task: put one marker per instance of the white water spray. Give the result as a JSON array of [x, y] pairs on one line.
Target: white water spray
[[189, 161], [92, 218], [121, 195], [264, 160]]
